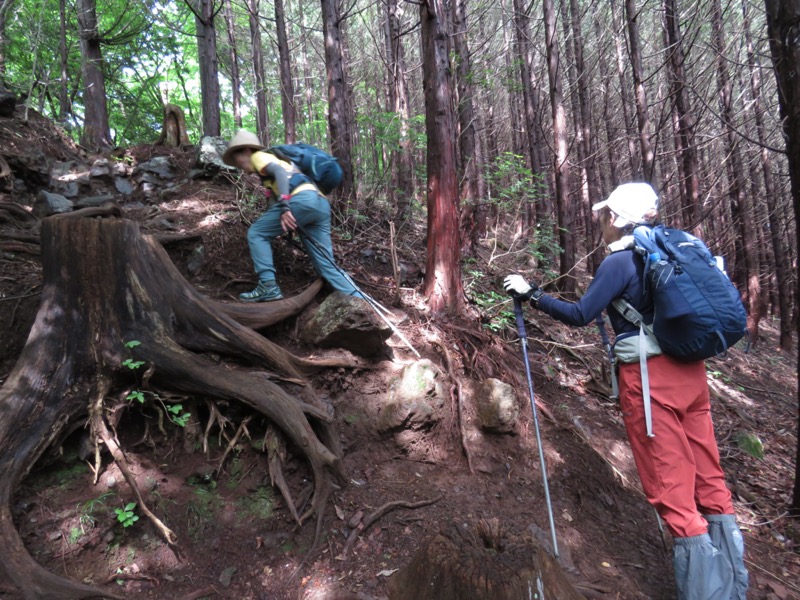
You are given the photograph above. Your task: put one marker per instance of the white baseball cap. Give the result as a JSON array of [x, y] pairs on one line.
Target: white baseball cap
[[630, 202]]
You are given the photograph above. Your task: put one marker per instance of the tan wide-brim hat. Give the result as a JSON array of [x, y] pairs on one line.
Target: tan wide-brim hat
[[243, 139]]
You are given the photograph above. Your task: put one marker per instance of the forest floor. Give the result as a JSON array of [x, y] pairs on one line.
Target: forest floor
[[236, 537]]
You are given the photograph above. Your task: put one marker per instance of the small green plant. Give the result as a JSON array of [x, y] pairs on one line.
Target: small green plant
[[75, 534], [174, 412], [130, 362], [750, 443], [127, 515], [135, 395]]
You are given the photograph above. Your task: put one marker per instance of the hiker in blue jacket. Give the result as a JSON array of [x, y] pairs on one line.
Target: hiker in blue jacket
[[292, 201], [679, 465]]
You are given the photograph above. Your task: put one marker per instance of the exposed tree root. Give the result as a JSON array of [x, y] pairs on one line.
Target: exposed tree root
[[104, 285], [378, 513], [276, 452], [99, 426]]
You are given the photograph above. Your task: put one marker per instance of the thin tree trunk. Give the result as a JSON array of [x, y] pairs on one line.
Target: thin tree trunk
[[746, 270], [287, 83], [308, 78], [96, 132], [564, 209], [402, 184], [63, 84], [684, 134], [585, 128], [530, 98], [469, 168], [443, 286], [204, 13], [642, 113], [236, 82], [630, 131], [338, 95], [782, 265]]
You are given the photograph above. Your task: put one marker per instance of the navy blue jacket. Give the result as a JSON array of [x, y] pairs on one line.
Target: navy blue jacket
[[618, 276]]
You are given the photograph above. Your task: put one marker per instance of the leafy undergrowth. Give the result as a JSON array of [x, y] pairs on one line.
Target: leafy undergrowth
[[236, 537]]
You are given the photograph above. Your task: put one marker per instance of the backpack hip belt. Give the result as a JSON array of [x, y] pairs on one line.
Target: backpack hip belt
[[305, 187]]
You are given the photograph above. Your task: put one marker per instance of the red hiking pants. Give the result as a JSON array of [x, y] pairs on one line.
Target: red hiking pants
[[679, 467]]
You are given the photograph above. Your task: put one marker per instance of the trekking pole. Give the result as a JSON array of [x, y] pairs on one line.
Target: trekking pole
[[601, 325], [376, 306], [523, 338]]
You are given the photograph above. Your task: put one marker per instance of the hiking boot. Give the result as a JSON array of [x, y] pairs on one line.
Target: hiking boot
[[266, 291]]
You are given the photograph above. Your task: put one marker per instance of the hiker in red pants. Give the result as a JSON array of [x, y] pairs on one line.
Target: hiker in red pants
[[679, 463]]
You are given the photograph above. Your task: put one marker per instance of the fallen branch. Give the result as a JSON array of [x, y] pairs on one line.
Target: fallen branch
[[377, 514]]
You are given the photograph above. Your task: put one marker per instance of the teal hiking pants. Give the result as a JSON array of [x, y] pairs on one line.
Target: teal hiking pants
[[313, 214]]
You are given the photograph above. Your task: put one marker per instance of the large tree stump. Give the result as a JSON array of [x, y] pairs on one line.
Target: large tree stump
[[491, 564], [106, 284]]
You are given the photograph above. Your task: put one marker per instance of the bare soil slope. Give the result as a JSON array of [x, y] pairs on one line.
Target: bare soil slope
[[235, 534]]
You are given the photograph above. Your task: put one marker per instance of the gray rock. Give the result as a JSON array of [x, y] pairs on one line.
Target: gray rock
[[101, 169], [65, 177], [159, 165], [51, 204], [343, 321], [415, 399], [197, 174], [123, 186], [209, 153], [88, 201], [121, 169], [226, 576], [497, 406]]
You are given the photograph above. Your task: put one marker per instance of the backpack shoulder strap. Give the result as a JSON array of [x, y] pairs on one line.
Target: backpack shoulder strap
[[630, 314]]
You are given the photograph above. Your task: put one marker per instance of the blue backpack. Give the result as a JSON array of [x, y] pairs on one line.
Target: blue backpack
[[698, 311], [319, 166]]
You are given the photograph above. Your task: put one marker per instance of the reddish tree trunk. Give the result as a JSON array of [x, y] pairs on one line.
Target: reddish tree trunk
[[443, 285]]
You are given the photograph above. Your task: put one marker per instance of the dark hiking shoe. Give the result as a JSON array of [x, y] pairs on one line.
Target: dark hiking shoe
[[266, 291]]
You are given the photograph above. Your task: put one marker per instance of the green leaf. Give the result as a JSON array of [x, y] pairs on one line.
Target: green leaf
[[135, 395], [130, 506], [750, 443], [133, 344]]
